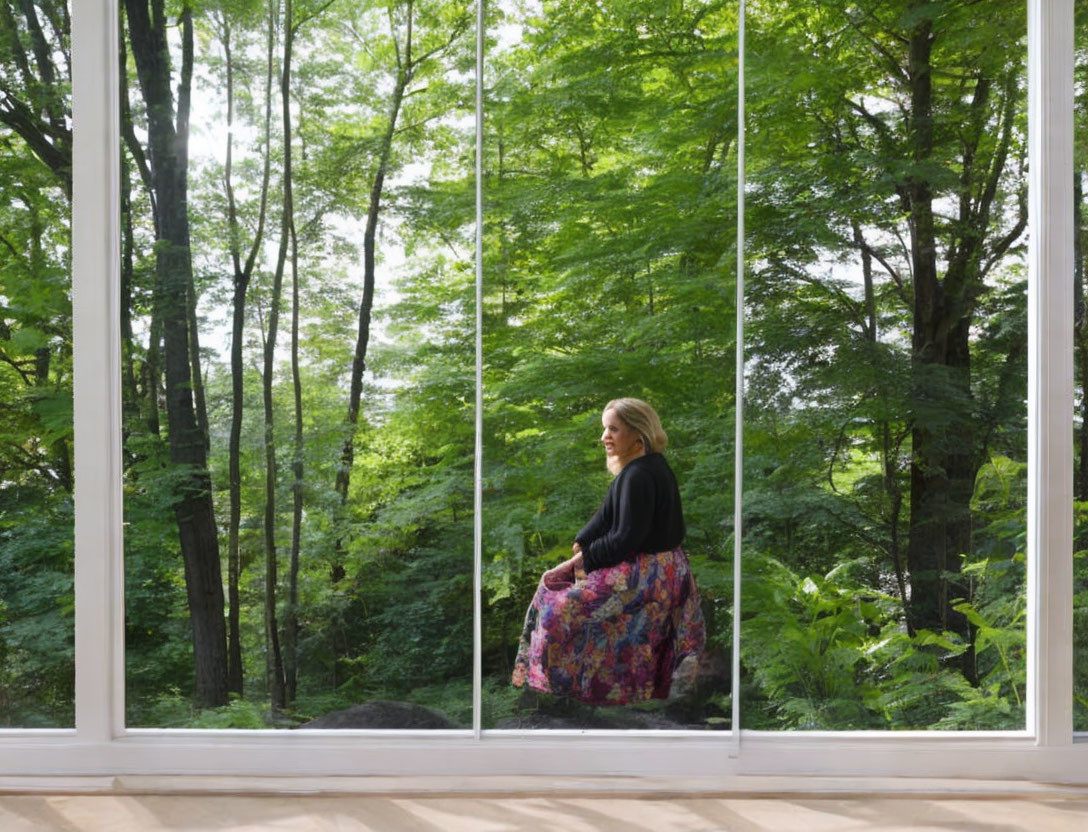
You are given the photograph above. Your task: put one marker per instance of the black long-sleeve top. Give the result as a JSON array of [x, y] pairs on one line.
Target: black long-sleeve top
[[641, 513]]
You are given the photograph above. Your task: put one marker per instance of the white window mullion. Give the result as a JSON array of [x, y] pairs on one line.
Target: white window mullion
[[96, 359], [478, 452], [1050, 371]]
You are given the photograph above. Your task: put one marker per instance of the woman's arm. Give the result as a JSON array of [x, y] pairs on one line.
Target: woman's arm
[[599, 523], [631, 525]]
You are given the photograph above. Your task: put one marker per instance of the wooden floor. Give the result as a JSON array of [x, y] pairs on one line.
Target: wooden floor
[[547, 813]]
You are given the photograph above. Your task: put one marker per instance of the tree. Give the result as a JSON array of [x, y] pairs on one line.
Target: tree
[[243, 275], [193, 509], [36, 82], [413, 55], [929, 116]]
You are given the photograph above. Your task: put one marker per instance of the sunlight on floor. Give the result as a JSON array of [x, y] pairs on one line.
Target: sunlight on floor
[[26, 813]]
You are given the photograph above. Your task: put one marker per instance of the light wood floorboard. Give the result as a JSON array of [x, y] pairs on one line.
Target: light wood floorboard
[[551, 813]]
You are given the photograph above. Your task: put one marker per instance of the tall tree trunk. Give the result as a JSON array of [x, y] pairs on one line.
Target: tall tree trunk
[[243, 273], [274, 656], [235, 676], [941, 471], [288, 230], [130, 399], [150, 376], [173, 269], [234, 560], [290, 624], [405, 68], [358, 365], [185, 87]]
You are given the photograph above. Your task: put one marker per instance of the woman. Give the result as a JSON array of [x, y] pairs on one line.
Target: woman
[[611, 624]]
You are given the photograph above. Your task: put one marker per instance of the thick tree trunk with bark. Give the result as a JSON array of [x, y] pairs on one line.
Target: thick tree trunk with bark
[[945, 437], [942, 443], [173, 268]]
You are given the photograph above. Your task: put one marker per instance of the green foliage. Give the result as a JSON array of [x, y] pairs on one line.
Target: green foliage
[[609, 263], [810, 642], [37, 677], [826, 653], [829, 652], [172, 709], [1080, 616], [238, 714]]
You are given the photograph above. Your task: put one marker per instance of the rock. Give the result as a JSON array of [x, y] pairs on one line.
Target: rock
[[380, 713], [701, 677]]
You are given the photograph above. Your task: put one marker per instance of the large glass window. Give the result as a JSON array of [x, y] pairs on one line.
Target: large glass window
[[297, 365], [290, 410], [298, 351], [610, 216], [36, 478], [885, 419]]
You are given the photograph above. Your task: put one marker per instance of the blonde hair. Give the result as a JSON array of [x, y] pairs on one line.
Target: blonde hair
[[643, 419]]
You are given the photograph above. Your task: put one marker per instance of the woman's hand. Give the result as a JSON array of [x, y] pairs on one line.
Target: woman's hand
[[565, 574], [577, 563], [560, 577]]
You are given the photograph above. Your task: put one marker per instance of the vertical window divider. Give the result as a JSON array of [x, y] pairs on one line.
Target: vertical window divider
[[738, 453], [477, 474], [99, 634], [1050, 373]]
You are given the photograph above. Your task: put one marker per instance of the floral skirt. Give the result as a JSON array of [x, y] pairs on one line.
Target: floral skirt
[[616, 636]]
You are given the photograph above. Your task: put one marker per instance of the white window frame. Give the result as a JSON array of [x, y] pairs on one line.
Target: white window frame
[[100, 745]]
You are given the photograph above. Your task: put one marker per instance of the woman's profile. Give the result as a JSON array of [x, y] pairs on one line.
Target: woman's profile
[[611, 624]]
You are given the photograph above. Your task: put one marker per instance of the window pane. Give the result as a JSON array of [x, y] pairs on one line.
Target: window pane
[[610, 219], [36, 520], [298, 365], [885, 461], [1080, 364]]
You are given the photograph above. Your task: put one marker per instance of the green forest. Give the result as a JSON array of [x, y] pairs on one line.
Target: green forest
[[298, 331]]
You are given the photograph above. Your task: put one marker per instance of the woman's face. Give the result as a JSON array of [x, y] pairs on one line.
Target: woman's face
[[621, 443]]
